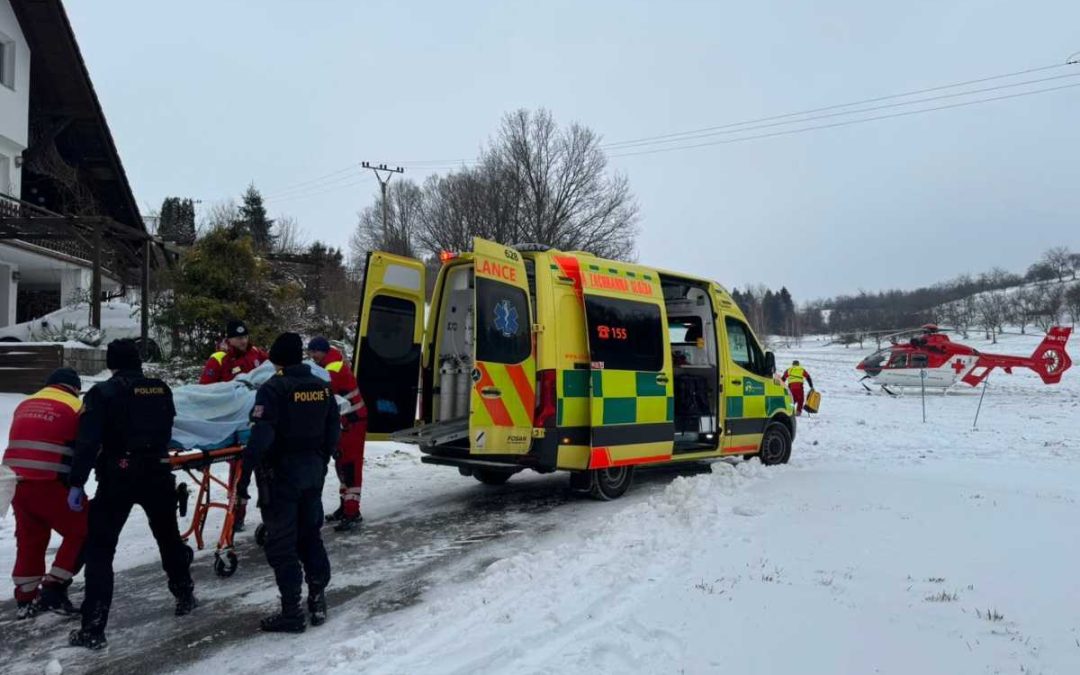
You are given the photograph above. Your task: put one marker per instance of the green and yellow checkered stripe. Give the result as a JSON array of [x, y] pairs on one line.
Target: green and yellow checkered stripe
[[755, 401], [603, 397]]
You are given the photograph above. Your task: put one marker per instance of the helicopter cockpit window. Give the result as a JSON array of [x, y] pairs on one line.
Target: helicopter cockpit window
[[876, 360], [899, 360]]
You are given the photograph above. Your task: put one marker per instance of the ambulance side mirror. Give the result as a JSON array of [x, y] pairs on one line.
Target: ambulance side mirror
[[770, 364]]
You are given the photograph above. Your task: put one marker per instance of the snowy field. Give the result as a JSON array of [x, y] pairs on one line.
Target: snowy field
[[886, 546]]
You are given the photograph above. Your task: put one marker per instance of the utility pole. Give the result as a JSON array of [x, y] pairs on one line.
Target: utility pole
[[383, 183]]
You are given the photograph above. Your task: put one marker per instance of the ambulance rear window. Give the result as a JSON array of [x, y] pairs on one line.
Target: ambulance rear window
[[625, 334], [503, 331]]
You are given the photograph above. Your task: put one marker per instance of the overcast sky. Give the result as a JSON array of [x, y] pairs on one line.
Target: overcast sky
[[205, 96]]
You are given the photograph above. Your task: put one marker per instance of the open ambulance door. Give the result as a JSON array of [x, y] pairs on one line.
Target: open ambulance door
[[390, 331], [631, 386], [501, 400]]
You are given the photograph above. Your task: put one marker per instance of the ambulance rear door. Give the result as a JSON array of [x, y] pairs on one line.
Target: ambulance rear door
[[502, 397], [386, 356], [631, 388]]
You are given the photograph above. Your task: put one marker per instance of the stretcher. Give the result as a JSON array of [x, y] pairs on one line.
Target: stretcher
[[198, 465]]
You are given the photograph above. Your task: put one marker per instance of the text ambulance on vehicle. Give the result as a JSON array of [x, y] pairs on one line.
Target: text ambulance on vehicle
[[537, 359]]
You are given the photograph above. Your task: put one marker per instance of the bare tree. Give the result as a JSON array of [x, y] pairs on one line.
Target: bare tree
[[566, 198], [1059, 259], [400, 235], [289, 236], [992, 309], [1022, 308], [221, 215], [1051, 302], [1072, 301]]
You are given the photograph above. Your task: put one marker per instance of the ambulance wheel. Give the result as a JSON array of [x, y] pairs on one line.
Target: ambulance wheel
[[775, 445], [492, 476], [609, 484]]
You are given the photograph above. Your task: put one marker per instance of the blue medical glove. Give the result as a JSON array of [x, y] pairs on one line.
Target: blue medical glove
[[75, 499]]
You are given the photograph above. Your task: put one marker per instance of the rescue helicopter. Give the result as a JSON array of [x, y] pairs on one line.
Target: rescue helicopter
[[930, 354]]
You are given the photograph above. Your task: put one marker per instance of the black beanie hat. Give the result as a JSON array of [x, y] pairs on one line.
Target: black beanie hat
[[122, 355], [236, 328], [287, 350], [65, 376]]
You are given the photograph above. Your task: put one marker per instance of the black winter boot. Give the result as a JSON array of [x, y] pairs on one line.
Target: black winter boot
[[54, 598], [91, 639], [185, 603], [27, 609], [348, 523], [289, 620], [316, 606]]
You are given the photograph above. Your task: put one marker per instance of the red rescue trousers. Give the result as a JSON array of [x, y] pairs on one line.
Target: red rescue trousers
[[40, 506], [797, 394], [350, 466]]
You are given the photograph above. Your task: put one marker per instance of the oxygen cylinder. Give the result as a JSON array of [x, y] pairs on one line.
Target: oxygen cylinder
[[461, 390], [448, 376]]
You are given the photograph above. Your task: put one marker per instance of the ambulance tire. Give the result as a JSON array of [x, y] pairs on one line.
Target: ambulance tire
[[775, 445], [494, 477], [610, 484]]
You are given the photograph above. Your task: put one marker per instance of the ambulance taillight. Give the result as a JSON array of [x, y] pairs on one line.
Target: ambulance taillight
[[546, 403]]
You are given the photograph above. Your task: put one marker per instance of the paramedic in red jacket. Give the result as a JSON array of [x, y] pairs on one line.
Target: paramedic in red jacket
[[794, 376], [240, 356], [350, 459], [39, 451]]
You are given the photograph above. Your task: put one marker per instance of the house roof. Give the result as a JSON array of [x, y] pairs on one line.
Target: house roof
[[64, 105]]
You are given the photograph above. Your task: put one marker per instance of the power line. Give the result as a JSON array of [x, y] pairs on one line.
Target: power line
[[842, 105], [788, 132], [310, 181], [314, 186], [844, 113], [318, 192]]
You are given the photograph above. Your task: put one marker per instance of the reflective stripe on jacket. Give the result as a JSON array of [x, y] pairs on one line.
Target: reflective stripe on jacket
[[42, 434], [343, 383]]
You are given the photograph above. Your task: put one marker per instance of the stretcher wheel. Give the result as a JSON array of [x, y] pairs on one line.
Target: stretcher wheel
[[260, 535], [226, 566]]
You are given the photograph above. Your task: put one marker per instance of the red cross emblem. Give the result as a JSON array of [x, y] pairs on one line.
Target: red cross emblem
[[959, 366]]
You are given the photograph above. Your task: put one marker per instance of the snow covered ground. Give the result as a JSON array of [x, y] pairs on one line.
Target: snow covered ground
[[887, 545]]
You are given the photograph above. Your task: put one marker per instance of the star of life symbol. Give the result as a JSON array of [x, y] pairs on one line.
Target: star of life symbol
[[506, 318]]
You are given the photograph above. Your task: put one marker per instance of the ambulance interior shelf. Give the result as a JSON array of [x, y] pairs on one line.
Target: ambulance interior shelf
[[695, 360]]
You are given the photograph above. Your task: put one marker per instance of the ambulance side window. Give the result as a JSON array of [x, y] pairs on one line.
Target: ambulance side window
[[744, 348], [503, 331], [390, 328], [625, 334]]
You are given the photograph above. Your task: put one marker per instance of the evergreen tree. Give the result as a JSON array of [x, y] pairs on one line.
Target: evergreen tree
[[177, 221], [253, 221]]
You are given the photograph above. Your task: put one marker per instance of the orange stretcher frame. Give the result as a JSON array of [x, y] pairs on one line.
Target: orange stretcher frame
[[197, 464]]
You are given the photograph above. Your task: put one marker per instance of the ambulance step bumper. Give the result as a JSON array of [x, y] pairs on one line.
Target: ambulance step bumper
[[470, 463], [431, 435]]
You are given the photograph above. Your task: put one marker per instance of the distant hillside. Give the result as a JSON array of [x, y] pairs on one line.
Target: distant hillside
[[1047, 294]]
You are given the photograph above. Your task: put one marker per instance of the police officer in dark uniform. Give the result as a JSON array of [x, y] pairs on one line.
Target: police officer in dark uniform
[[295, 430], [124, 433]]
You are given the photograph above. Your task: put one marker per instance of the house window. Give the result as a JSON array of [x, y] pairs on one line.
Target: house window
[[7, 61], [6, 188]]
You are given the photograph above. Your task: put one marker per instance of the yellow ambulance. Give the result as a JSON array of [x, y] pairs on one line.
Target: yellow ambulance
[[533, 358]]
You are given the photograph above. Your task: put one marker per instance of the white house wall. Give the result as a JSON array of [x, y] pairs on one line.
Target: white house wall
[[14, 102]]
